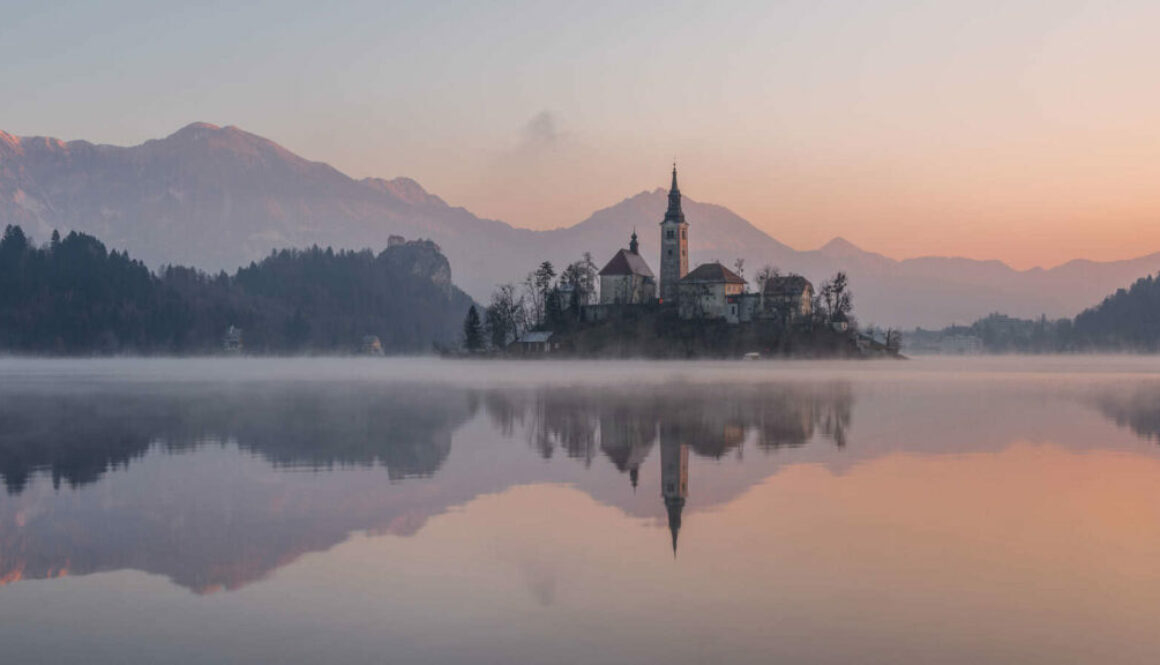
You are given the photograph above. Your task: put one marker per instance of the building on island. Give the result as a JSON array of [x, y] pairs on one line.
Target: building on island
[[705, 293], [232, 340], [710, 291], [536, 342], [789, 298], [371, 345], [743, 307], [674, 245], [627, 279]]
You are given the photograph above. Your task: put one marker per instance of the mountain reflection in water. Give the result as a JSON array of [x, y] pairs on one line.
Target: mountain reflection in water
[[202, 520], [217, 485]]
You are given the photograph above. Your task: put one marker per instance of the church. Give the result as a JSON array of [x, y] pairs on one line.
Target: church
[[711, 291]]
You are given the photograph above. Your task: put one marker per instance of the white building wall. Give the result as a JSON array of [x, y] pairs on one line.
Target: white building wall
[[702, 301], [626, 289]]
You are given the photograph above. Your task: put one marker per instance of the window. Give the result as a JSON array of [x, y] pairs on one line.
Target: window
[[670, 252], [669, 234], [684, 234]]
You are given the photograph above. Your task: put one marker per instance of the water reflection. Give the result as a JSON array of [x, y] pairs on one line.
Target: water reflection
[[1135, 407], [625, 424], [715, 419], [216, 487], [188, 499], [78, 436]]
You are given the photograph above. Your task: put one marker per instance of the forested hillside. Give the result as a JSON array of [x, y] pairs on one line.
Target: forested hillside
[[73, 296], [1127, 320]]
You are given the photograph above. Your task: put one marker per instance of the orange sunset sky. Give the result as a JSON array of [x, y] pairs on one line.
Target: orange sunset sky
[[1023, 131]]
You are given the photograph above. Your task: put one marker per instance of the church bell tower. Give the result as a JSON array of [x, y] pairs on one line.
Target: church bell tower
[[674, 245]]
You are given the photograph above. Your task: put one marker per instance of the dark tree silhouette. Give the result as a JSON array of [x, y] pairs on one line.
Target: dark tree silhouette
[[75, 297], [472, 331]]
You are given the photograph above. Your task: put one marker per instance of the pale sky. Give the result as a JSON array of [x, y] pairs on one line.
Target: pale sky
[[1023, 131]]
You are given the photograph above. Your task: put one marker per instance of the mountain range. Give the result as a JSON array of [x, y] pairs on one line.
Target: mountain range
[[220, 197]]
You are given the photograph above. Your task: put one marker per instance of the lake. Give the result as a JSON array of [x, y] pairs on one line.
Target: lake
[[428, 511]]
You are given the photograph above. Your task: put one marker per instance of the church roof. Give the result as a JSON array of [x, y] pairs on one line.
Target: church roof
[[625, 262], [790, 285], [712, 273]]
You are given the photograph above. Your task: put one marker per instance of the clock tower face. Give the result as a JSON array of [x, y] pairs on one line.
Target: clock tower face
[[674, 245]]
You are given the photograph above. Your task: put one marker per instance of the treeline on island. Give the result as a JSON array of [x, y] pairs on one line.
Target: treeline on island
[[554, 302], [1127, 320], [545, 300], [73, 296]]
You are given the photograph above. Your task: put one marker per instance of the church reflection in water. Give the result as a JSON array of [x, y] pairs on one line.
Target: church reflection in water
[[674, 479], [185, 466], [625, 425], [198, 474]]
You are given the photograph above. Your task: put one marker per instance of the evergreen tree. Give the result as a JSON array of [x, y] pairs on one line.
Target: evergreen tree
[[554, 309], [539, 286], [472, 331]]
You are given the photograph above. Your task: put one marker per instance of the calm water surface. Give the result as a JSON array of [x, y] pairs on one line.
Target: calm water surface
[[421, 511]]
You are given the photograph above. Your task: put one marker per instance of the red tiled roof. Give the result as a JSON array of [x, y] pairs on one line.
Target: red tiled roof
[[625, 262], [714, 273]]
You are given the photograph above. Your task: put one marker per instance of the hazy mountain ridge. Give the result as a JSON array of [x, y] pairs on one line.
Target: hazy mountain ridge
[[220, 197]]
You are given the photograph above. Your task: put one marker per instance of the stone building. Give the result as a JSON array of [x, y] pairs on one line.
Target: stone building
[[790, 297], [371, 345], [535, 343], [674, 246], [232, 340], [627, 279], [743, 307], [706, 292]]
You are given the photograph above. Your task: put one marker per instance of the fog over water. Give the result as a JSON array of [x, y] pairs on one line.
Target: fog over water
[[955, 510], [18, 371]]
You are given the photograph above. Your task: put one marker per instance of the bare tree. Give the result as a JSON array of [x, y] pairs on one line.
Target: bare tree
[[581, 277], [537, 286], [893, 340], [505, 316], [835, 300], [766, 273]]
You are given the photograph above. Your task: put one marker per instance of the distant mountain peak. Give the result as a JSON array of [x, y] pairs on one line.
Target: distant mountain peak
[[199, 125], [194, 130], [839, 246]]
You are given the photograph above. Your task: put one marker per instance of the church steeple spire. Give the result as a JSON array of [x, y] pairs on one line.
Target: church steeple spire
[[674, 506], [674, 212], [674, 477], [633, 245]]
